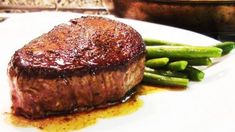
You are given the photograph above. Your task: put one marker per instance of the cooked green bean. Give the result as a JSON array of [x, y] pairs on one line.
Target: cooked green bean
[[194, 74], [199, 61], [156, 79], [158, 62], [182, 51], [151, 42], [178, 65], [227, 47], [165, 72]]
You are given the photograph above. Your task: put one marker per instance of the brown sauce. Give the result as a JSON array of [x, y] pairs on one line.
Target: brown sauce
[[82, 120]]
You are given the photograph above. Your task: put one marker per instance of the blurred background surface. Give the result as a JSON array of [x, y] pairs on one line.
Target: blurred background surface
[[214, 18], [82, 6]]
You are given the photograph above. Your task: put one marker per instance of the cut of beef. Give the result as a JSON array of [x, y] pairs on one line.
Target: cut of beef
[[91, 62]]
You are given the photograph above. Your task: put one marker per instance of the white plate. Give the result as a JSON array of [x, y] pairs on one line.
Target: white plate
[[207, 106]]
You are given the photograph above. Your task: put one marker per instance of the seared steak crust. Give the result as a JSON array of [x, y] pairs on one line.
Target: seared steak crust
[[91, 63], [87, 45]]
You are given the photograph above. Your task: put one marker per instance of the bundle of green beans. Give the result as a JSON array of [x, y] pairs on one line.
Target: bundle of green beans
[[175, 64]]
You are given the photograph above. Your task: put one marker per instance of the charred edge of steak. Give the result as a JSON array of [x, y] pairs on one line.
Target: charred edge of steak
[[51, 73], [129, 94]]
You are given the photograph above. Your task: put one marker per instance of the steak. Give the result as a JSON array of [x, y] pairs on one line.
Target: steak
[[91, 62]]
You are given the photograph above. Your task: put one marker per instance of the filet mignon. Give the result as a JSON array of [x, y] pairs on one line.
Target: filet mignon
[[90, 63]]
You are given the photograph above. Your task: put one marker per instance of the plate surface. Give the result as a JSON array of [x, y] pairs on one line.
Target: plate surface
[[207, 106]]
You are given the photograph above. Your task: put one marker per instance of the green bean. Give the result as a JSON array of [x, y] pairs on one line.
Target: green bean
[[194, 74], [227, 47], [165, 72], [158, 62], [178, 65], [156, 79], [151, 42], [199, 61], [188, 52]]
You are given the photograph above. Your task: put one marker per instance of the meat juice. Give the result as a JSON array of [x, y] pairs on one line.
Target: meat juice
[[81, 120]]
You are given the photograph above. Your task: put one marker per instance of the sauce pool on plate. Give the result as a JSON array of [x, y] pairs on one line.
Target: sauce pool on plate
[[81, 120]]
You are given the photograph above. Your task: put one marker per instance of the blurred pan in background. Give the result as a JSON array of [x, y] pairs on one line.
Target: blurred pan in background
[[215, 18]]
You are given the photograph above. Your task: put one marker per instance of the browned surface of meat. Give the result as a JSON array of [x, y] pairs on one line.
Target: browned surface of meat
[[92, 62]]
